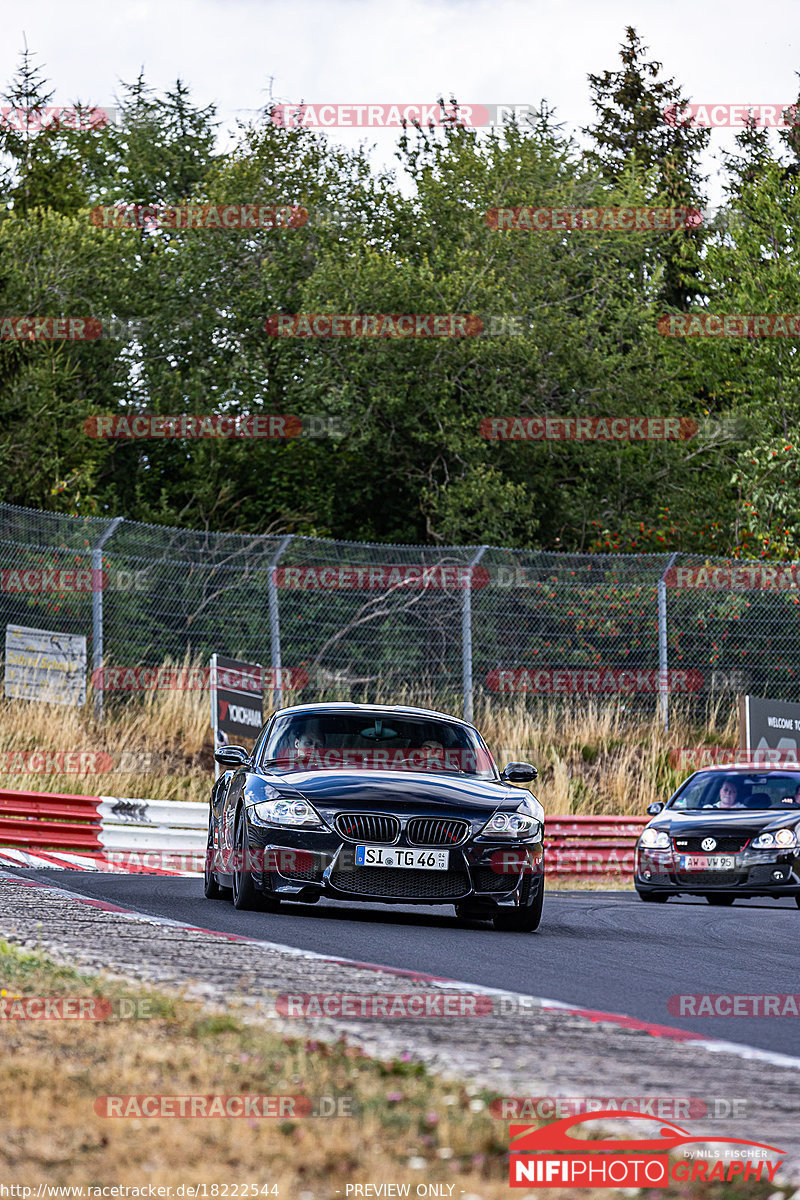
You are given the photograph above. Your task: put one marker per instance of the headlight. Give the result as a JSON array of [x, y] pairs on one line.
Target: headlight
[[513, 825], [654, 839], [298, 813], [779, 840]]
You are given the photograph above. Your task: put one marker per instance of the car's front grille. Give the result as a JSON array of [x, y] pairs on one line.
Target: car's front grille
[[436, 831], [724, 879], [367, 827], [693, 844], [399, 883]]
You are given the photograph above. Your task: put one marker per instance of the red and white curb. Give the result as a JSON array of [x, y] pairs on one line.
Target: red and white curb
[[592, 1015], [137, 862]]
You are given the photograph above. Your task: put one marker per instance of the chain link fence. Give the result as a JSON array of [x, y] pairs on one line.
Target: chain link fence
[[443, 625]]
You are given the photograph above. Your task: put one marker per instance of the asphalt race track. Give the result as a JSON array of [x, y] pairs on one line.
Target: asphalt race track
[[599, 950]]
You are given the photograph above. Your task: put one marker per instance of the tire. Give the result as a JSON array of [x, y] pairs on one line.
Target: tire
[[245, 895], [211, 888], [521, 920], [653, 897], [720, 901]]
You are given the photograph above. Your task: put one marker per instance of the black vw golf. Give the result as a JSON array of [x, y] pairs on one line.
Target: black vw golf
[[375, 803], [727, 832]]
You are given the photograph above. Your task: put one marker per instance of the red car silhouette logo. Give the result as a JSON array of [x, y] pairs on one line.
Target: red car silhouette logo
[[558, 1136]]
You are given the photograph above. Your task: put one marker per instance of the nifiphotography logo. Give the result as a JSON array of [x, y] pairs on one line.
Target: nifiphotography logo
[[586, 1157]]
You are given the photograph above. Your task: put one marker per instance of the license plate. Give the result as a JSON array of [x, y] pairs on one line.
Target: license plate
[[708, 862], [391, 856]]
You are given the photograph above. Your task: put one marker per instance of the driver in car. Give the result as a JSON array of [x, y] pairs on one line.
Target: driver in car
[[729, 795], [308, 745], [309, 741]]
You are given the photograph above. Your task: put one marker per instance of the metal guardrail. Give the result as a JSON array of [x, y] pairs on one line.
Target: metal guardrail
[[575, 845], [585, 846], [41, 821]]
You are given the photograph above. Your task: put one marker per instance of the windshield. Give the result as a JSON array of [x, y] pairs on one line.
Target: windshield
[[718, 790], [377, 741]]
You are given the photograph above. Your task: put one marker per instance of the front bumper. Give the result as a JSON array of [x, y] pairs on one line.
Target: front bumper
[[483, 874], [755, 873]]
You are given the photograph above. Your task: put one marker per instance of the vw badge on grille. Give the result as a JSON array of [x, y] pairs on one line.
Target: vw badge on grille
[[708, 844]]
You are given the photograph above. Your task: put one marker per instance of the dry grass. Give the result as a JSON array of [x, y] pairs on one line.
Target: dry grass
[[596, 757], [53, 1073], [593, 756], [407, 1127]]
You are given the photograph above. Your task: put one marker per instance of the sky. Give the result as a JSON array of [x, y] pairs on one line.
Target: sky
[[241, 53]]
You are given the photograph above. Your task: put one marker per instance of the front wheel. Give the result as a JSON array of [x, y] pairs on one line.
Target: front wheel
[[245, 895], [521, 920], [720, 901]]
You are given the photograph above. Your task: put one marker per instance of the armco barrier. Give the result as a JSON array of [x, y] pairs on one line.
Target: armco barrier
[[33, 820], [579, 845], [591, 845]]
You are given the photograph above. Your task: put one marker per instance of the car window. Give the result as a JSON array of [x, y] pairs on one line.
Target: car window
[[378, 740], [744, 791]]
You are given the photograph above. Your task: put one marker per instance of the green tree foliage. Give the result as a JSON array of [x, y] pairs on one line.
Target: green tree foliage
[[570, 327]]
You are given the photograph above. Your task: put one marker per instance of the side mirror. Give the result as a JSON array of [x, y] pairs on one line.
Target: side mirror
[[654, 809], [519, 772], [232, 756]]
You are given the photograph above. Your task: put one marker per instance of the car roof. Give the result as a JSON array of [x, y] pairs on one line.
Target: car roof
[[753, 768], [345, 706]]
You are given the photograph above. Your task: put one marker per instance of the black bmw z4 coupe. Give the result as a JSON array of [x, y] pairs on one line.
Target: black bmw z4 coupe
[[382, 804], [726, 832]]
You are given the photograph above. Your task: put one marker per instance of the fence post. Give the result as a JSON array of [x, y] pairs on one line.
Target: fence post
[[97, 616], [466, 637], [663, 678], [274, 623]]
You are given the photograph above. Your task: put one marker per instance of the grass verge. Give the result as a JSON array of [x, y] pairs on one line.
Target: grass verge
[[407, 1127]]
